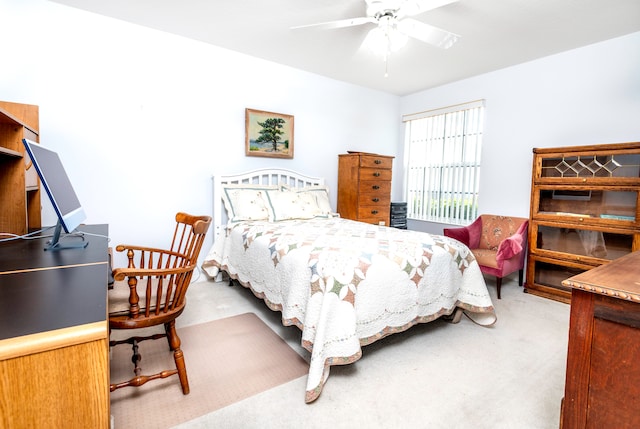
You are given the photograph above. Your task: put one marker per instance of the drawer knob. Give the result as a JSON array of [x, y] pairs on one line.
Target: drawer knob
[[376, 187], [374, 211], [377, 161], [376, 174], [375, 200]]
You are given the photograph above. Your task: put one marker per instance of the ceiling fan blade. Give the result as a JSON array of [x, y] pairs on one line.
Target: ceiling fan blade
[[416, 7], [427, 33], [351, 22]]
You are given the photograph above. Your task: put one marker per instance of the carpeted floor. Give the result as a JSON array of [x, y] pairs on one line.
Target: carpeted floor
[[228, 360], [433, 376]]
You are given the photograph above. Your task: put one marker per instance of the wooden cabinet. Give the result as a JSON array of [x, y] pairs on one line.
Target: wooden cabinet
[[364, 187], [19, 185], [54, 334], [602, 386], [584, 212]]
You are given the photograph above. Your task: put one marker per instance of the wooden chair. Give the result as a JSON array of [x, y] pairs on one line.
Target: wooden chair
[[154, 293], [499, 244]]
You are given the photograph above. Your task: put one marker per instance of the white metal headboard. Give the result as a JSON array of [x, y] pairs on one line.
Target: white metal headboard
[[264, 176]]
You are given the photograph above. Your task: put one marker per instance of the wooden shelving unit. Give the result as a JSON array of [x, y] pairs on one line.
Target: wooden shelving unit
[[585, 212], [19, 184]]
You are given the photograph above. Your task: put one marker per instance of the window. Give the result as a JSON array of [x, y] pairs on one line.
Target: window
[[443, 163]]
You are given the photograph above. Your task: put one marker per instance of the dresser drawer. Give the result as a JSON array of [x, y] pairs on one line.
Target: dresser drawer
[[375, 220], [378, 174], [380, 201], [373, 212], [376, 188], [373, 161]]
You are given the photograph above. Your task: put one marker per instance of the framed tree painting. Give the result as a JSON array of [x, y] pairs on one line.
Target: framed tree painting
[[268, 134]]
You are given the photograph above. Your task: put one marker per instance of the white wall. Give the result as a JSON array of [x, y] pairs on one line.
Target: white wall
[[142, 119], [589, 95]]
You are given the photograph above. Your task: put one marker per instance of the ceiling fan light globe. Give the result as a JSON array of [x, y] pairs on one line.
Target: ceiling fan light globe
[[397, 40], [382, 41], [376, 41]]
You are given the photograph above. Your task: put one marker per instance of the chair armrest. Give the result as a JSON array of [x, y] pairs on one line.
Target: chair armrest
[[469, 235], [510, 247], [120, 273], [460, 234], [150, 257], [123, 247]]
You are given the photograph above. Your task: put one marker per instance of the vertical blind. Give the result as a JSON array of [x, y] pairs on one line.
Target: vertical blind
[[443, 160]]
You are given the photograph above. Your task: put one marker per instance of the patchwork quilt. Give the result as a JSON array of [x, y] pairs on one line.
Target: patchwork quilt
[[346, 284]]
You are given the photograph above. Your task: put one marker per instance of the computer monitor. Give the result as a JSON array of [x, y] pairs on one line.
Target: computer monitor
[[56, 183]]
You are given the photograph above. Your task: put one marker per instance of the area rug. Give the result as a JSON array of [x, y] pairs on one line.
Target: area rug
[[227, 360]]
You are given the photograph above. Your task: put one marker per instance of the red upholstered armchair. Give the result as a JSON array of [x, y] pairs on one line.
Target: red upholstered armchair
[[499, 244]]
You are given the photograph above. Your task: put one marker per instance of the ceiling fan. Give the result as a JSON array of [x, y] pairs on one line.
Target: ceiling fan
[[394, 25]]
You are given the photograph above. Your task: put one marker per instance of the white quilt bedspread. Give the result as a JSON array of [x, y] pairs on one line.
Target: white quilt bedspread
[[346, 284]]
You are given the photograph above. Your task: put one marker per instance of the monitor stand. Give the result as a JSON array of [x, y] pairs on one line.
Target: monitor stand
[[54, 243]]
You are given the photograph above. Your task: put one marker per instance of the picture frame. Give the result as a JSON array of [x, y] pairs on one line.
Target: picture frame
[[268, 134]]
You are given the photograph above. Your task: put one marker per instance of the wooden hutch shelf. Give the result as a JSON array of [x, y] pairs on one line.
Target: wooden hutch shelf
[[19, 184], [585, 212]]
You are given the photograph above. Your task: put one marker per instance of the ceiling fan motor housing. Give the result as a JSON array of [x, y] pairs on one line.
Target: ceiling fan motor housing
[[378, 8]]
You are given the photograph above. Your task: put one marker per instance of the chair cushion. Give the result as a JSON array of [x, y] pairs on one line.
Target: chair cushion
[[486, 257], [495, 229]]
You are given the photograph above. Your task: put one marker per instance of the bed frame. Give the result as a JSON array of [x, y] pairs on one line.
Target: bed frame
[[320, 337], [263, 176]]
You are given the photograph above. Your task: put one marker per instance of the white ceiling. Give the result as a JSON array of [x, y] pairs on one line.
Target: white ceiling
[[495, 34]]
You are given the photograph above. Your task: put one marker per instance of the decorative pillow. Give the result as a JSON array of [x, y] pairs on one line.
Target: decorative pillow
[[285, 204], [319, 193], [246, 202]]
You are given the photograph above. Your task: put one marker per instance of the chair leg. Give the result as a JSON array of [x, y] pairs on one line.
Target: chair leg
[[178, 355], [498, 285]]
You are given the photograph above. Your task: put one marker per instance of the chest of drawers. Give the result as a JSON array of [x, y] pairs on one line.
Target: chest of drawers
[[364, 187]]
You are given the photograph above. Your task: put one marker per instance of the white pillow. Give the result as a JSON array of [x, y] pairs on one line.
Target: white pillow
[[285, 205], [319, 193], [246, 202]]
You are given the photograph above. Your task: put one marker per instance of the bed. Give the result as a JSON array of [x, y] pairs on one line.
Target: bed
[[344, 284]]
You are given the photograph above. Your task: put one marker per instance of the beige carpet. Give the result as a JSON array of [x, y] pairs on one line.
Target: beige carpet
[[227, 360]]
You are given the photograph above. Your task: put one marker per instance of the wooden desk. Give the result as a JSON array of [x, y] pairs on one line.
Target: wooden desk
[[54, 351], [602, 388]]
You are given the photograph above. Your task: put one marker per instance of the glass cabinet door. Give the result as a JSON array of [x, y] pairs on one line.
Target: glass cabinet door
[[616, 165], [551, 275], [583, 244], [589, 204]]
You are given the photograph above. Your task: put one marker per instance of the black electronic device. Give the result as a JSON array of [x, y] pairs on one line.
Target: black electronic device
[[56, 183]]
